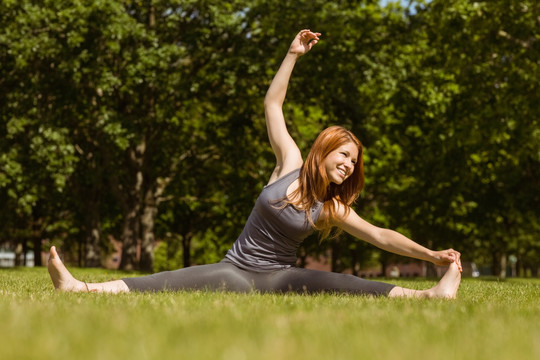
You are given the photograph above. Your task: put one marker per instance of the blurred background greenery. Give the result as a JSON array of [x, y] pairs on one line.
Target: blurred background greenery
[[142, 122]]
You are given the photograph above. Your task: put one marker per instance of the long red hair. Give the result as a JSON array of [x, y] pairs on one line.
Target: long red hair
[[314, 184]]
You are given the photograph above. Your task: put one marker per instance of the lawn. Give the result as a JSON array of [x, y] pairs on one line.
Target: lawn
[[489, 320]]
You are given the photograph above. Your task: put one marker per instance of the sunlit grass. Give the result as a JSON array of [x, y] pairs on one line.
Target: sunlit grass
[[489, 320]]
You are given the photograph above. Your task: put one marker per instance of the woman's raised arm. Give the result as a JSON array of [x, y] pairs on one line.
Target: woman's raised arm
[[288, 156]]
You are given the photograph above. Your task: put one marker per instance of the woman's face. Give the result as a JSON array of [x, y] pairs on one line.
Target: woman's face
[[339, 164]]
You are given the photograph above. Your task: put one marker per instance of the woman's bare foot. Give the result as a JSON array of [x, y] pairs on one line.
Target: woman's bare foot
[[61, 277], [448, 286]]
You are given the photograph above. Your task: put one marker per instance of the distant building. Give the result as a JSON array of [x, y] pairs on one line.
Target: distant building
[[8, 257]]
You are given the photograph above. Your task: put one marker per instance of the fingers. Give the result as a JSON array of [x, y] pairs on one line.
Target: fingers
[[455, 256], [309, 36]]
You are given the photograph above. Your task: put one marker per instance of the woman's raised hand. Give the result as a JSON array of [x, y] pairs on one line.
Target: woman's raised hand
[[303, 42]]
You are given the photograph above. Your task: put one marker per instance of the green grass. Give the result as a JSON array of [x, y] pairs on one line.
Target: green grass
[[489, 320]]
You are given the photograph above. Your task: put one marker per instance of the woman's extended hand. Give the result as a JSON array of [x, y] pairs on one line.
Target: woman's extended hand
[[303, 42], [446, 257]]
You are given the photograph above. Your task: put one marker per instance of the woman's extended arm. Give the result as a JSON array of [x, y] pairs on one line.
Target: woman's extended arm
[[288, 155], [392, 241]]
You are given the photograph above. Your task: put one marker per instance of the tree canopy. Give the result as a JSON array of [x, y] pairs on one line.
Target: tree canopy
[[143, 121]]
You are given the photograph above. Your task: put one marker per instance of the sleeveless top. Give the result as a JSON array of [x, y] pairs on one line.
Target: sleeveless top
[[272, 233]]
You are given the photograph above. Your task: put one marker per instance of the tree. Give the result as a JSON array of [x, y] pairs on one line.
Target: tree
[[144, 120], [37, 157]]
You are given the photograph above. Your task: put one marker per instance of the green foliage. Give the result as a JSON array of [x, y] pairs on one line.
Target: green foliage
[[144, 119], [168, 256]]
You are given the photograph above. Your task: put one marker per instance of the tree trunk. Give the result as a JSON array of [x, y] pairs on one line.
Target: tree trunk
[[502, 272], [92, 256], [130, 232], [19, 254], [147, 231], [130, 236], [132, 207], [148, 218], [93, 251], [36, 241], [495, 264], [25, 251], [37, 251]]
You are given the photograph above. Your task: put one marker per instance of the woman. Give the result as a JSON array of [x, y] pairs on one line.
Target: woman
[[298, 198]]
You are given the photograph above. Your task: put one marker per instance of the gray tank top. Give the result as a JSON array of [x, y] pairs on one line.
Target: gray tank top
[[272, 234]]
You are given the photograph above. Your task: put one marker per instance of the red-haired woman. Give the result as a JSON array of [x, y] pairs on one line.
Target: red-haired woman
[[299, 197]]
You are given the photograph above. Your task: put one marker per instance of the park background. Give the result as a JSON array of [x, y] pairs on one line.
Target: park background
[[141, 123]]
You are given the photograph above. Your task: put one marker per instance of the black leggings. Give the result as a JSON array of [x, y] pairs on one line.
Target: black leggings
[[225, 276]]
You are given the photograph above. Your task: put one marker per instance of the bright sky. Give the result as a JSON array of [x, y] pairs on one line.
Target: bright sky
[[403, 2], [384, 2]]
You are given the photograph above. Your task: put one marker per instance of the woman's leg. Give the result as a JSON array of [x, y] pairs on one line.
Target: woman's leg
[[220, 276], [313, 281], [64, 281], [309, 281]]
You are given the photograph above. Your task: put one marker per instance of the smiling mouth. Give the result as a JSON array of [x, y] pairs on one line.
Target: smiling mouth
[[342, 173]]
